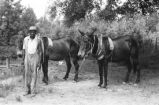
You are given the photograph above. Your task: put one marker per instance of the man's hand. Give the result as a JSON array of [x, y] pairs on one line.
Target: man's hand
[[22, 63]]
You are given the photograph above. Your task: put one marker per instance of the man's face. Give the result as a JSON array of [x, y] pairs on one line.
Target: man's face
[[32, 34]]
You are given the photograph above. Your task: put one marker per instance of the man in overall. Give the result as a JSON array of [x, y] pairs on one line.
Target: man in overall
[[32, 47]]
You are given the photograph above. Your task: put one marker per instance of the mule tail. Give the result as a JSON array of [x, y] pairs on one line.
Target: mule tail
[[42, 45]]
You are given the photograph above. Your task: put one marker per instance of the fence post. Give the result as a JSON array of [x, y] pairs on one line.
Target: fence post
[[7, 62]]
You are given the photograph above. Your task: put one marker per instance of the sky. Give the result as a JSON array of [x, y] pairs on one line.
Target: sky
[[39, 6]]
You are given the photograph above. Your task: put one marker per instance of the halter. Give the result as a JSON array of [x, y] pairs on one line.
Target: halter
[[99, 53], [91, 46]]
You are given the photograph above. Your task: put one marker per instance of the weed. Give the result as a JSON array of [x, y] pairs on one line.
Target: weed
[[5, 89], [18, 99]]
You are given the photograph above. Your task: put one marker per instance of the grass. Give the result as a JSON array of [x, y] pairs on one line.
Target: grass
[[149, 59], [5, 89], [18, 99], [50, 90], [12, 72], [5, 74]]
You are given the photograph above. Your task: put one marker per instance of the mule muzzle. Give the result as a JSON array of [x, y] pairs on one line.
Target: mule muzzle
[[81, 54], [19, 53]]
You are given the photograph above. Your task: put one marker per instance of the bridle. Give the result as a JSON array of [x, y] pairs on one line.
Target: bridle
[[97, 48], [91, 46]]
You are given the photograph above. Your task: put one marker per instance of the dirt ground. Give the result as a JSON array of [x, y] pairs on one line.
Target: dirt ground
[[86, 91]]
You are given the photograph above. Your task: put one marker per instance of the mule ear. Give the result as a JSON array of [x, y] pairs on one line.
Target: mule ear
[[82, 33]]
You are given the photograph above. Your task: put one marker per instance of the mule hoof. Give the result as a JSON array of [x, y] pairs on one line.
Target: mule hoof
[[27, 93], [76, 80], [33, 95], [130, 83], [100, 85], [104, 87], [135, 84], [65, 78], [45, 81], [137, 81]]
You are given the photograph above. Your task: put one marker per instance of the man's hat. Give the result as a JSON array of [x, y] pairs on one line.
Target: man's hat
[[33, 28]]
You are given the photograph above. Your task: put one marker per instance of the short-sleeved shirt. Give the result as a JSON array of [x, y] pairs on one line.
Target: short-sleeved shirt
[[30, 45]]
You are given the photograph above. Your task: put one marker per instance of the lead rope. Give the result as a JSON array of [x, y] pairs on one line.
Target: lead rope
[[85, 58], [110, 67]]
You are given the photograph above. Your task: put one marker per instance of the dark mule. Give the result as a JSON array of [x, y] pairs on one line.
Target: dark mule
[[62, 49], [125, 50]]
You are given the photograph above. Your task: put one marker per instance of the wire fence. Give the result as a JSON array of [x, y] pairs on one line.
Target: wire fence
[[9, 63]]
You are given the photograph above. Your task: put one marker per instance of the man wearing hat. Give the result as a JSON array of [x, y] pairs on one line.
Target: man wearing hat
[[32, 46]]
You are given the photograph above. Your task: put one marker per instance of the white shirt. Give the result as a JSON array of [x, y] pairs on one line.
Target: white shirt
[[30, 45]]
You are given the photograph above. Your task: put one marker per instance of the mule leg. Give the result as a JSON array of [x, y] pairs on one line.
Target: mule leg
[[45, 70], [137, 71], [100, 66], [138, 75], [105, 69], [76, 65], [129, 66], [68, 63]]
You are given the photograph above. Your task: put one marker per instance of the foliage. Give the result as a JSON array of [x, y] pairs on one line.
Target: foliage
[[10, 12], [44, 26], [28, 18], [14, 18], [73, 10], [138, 6]]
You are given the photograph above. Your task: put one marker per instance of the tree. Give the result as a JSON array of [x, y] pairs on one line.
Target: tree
[[73, 10], [10, 16], [28, 18], [109, 13], [138, 6], [44, 25], [14, 18]]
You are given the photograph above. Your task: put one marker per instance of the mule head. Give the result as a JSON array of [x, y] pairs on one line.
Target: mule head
[[19, 46], [86, 44]]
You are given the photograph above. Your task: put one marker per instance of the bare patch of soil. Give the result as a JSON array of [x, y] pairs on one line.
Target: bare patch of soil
[[86, 91]]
